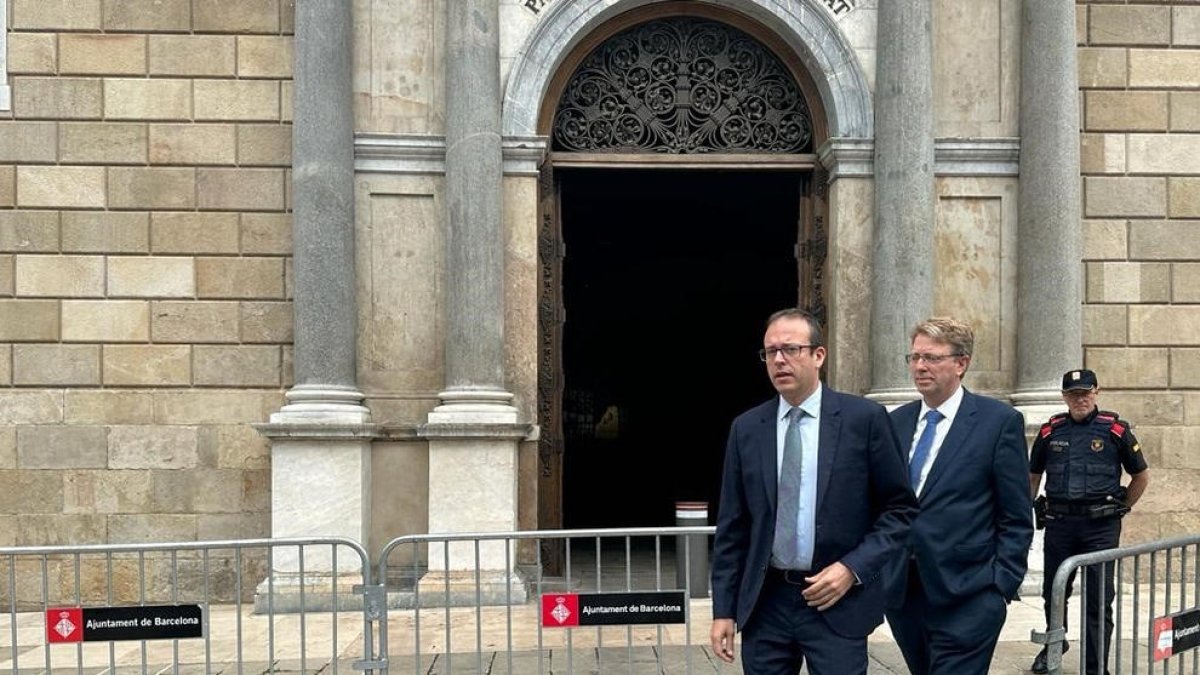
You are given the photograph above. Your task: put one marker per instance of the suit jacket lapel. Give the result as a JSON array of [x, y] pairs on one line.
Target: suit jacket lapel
[[831, 427], [964, 421], [767, 440]]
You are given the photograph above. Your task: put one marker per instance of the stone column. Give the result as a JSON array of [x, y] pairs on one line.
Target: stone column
[[1049, 250], [902, 281], [473, 435], [320, 439]]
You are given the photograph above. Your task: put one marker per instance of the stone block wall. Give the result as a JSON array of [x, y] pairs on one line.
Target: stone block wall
[[1139, 71], [145, 241]]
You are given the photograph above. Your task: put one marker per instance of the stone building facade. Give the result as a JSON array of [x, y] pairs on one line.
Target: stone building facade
[[188, 188]]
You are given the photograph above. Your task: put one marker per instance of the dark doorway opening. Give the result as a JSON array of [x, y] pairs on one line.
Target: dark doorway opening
[[667, 278]]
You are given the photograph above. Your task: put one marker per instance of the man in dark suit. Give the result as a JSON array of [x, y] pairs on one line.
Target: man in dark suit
[[949, 592], [814, 500]]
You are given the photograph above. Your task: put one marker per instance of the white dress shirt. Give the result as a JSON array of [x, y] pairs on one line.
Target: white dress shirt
[[948, 409]]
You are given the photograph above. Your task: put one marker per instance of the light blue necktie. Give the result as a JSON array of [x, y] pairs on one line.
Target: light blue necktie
[[786, 549], [924, 445]]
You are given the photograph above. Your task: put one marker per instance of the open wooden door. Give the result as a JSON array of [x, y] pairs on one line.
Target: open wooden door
[[551, 316], [813, 243]]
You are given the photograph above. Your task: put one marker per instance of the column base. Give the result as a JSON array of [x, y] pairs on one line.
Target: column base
[[281, 593], [464, 589], [322, 404], [1037, 406], [474, 407], [892, 398]]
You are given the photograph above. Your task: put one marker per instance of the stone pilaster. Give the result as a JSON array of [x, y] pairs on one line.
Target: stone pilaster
[[1049, 310], [320, 440], [902, 281], [474, 434]]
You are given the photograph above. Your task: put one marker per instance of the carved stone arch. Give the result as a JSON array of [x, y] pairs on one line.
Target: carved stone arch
[[810, 36]]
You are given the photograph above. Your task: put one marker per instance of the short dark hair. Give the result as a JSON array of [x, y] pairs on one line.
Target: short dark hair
[[815, 338]]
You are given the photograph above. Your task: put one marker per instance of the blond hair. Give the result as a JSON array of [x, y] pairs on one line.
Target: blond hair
[[958, 334]]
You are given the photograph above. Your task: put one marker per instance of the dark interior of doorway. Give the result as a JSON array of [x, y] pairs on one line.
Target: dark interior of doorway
[[667, 278]]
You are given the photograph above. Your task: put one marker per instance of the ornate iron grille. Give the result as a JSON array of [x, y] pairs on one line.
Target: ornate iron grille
[[682, 85]]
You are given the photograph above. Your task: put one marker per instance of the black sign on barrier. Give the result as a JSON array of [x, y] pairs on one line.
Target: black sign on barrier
[[105, 624], [613, 609], [1176, 633]]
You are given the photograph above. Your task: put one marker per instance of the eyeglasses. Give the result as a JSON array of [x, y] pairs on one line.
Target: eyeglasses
[[929, 358], [790, 351]]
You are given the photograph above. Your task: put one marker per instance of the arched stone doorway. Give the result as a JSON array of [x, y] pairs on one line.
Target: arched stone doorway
[[683, 182]]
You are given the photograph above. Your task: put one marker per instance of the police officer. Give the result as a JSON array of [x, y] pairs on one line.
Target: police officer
[[1082, 452]]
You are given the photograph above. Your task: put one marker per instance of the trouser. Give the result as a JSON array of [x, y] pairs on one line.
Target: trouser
[[1071, 535]]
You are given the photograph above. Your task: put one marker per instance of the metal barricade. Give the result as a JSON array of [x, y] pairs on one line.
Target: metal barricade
[[469, 603], [266, 605], [1150, 581]]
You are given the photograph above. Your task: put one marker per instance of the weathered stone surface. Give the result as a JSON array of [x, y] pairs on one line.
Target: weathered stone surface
[[5, 368], [157, 99], [223, 16], [198, 491], [148, 15], [289, 366], [240, 189], [286, 94], [105, 321], [1128, 282], [1164, 240], [102, 142], [27, 141], [256, 490], [8, 186], [239, 277], [237, 100], [164, 277], [1185, 26], [1184, 197], [1143, 408], [243, 366], [194, 321], [152, 447], [1174, 68], [60, 186], [1185, 370], [61, 530], [29, 231], [235, 446], [192, 55], [109, 491], [146, 529], [31, 407], [105, 232], [55, 365], [105, 406], [1129, 367], [6, 275], [101, 54], [56, 97], [1169, 447], [1191, 408], [264, 144], [264, 56], [1105, 240], [55, 14], [217, 527], [1164, 324], [146, 365], [65, 276], [1126, 111], [1102, 153], [29, 320], [1185, 282], [193, 143], [212, 407], [30, 492], [151, 188], [1164, 154], [8, 448], [52, 446], [1185, 111], [266, 233], [190, 232], [1104, 325], [32, 53], [1130, 24], [266, 321], [1102, 67], [1106, 197]]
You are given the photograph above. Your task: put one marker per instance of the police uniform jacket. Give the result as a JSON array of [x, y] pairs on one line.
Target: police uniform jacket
[[1083, 460]]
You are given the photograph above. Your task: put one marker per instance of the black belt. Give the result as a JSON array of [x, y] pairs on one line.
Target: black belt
[[1071, 508], [793, 577]]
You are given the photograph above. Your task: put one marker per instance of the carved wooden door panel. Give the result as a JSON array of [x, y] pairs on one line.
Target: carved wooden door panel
[[812, 243], [550, 372]]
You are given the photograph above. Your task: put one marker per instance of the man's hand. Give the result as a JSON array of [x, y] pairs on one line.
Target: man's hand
[[721, 639], [828, 586]]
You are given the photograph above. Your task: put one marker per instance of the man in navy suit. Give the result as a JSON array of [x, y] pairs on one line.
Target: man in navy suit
[[814, 500], [949, 592]]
